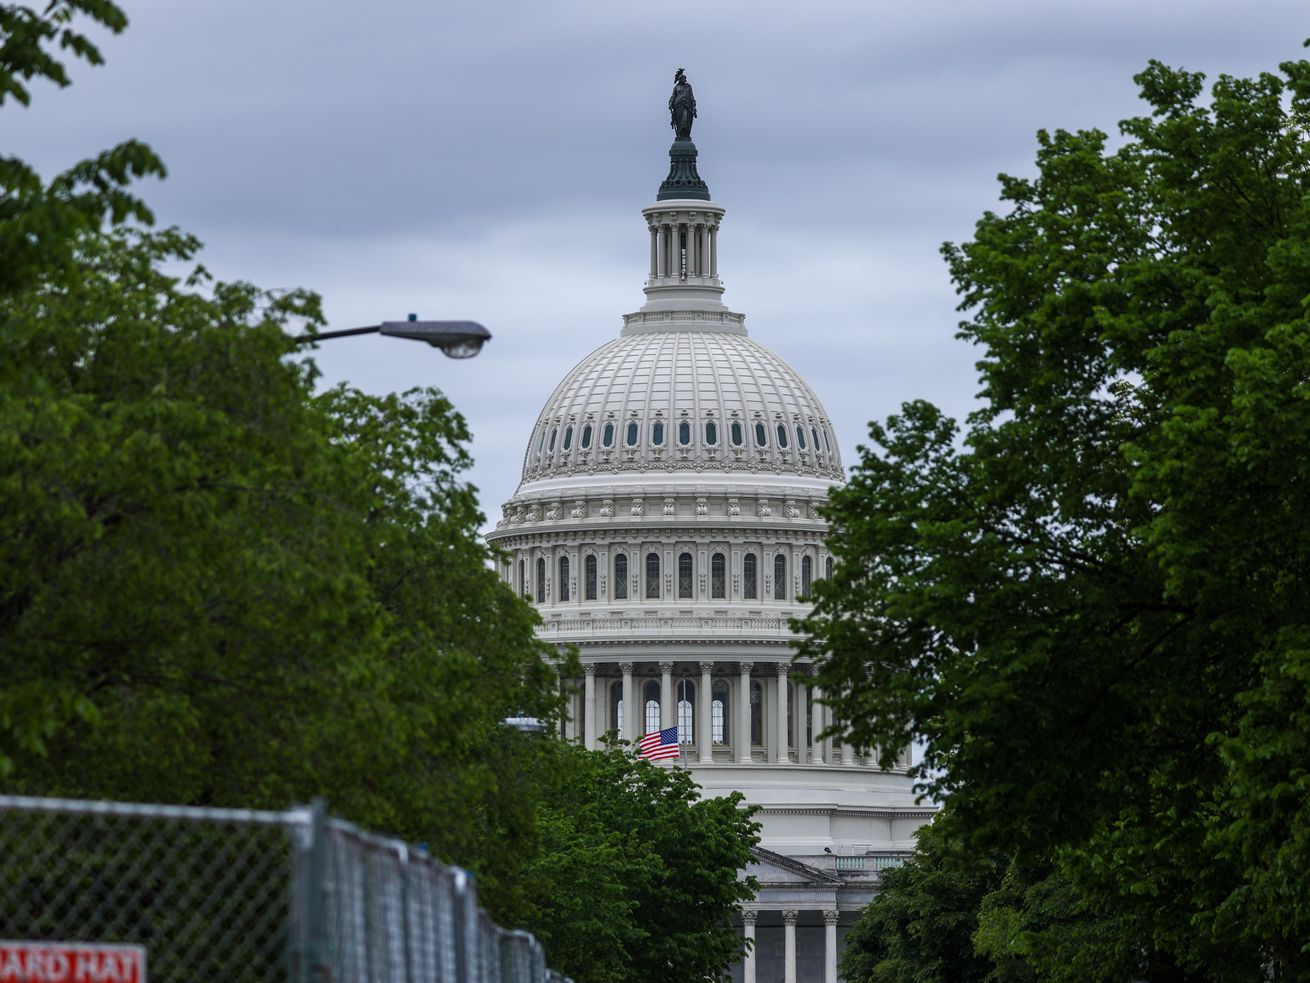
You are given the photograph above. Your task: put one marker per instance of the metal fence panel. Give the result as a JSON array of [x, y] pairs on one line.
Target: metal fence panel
[[237, 895]]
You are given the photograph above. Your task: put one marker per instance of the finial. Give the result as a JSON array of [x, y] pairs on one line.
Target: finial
[[683, 181]]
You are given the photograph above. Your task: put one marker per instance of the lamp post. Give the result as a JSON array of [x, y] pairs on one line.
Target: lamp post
[[457, 339]]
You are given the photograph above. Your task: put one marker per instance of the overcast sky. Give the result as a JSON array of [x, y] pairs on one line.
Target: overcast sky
[[490, 160]]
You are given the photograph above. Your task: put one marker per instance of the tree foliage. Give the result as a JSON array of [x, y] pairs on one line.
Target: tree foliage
[[1091, 600]]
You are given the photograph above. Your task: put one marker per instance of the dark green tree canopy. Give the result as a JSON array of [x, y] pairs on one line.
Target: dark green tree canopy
[[1092, 601]]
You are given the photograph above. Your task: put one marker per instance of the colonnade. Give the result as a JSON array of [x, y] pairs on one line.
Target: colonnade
[[767, 716], [750, 916], [669, 257]]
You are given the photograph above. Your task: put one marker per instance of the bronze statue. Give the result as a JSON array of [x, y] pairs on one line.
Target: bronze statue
[[682, 106]]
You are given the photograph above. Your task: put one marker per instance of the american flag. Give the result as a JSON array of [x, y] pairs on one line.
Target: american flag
[[659, 744]]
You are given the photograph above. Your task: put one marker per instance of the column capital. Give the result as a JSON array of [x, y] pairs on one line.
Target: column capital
[[830, 917], [589, 668], [749, 916], [625, 667], [782, 668], [789, 917], [745, 667], [707, 667], [666, 667]]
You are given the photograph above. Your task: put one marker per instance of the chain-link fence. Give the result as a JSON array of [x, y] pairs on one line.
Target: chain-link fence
[[238, 895]]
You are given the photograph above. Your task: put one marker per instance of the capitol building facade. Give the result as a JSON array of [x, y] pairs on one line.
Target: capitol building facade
[[667, 524]]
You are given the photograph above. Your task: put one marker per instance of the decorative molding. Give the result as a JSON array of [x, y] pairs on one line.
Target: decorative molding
[[706, 667], [782, 668], [666, 667], [789, 917], [749, 916], [830, 917], [589, 668], [625, 667], [746, 667]]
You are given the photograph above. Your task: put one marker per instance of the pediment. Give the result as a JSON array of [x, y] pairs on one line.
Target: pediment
[[776, 868]]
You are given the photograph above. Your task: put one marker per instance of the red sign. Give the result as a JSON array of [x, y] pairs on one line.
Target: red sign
[[71, 962]]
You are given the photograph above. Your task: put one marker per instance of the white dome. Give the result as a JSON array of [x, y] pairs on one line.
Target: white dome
[[695, 399]]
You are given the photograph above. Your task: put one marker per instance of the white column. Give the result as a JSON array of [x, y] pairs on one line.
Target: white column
[[748, 958], [666, 695], [816, 716], [848, 754], [800, 716], [789, 946], [589, 706], [705, 723], [830, 946], [626, 729], [714, 251], [654, 250], [570, 719], [780, 718], [661, 244], [744, 713]]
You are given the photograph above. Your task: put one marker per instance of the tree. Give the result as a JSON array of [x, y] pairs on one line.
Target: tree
[[638, 876], [1091, 602]]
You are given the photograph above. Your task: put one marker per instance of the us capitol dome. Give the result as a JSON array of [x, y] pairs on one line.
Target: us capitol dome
[[667, 524]]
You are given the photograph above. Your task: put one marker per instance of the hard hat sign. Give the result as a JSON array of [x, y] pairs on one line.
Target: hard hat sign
[[71, 962]]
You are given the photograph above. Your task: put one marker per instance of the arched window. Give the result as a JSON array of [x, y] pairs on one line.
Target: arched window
[[782, 436], [719, 711], [780, 577], [541, 580], [749, 577], [620, 585], [800, 436], [554, 432], [653, 575], [523, 579], [807, 573], [568, 436], [827, 568], [711, 433], [761, 438], [826, 446], [684, 433], [738, 437], [718, 576], [586, 437], [608, 435], [684, 575], [757, 713], [686, 711], [657, 434], [651, 692], [815, 434], [632, 433], [616, 707], [563, 591], [589, 573], [541, 442]]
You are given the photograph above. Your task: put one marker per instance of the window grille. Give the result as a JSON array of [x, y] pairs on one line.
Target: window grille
[[568, 437], [653, 575], [554, 432], [720, 713], [563, 578], [686, 711], [761, 437], [632, 434], [800, 436], [782, 436], [718, 576], [657, 434], [711, 433], [827, 568], [586, 437], [684, 433], [684, 575], [757, 713], [652, 691], [541, 581], [609, 435], [749, 577], [738, 438], [589, 572], [806, 572], [780, 578]]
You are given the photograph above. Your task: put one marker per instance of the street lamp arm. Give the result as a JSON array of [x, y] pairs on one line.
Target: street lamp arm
[[458, 339]]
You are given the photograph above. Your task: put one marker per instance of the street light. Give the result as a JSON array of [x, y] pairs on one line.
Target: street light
[[525, 725], [458, 339]]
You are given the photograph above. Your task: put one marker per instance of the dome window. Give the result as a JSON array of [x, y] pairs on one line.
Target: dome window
[[780, 577], [761, 437], [827, 568], [657, 433], [589, 577], [541, 443], [782, 436], [563, 578], [800, 436], [608, 437], [719, 712], [586, 437], [684, 433], [554, 432], [815, 434], [749, 577], [711, 433], [568, 437], [652, 691], [620, 577], [541, 581], [826, 446], [653, 575], [718, 576], [738, 438], [632, 434], [807, 574]]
